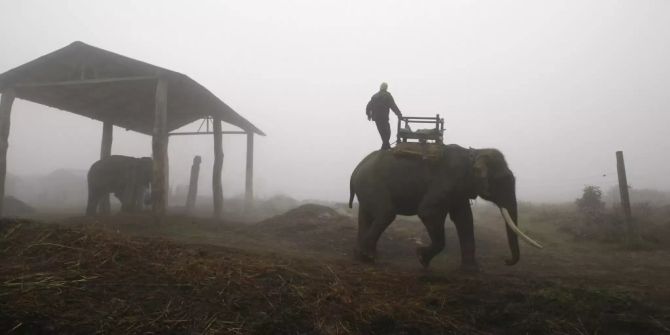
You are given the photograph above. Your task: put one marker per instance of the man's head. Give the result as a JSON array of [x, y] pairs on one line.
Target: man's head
[[383, 87]]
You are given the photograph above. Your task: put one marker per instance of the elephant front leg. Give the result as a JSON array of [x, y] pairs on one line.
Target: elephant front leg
[[129, 198], [435, 226], [462, 217], [124, 199], [138, 200]]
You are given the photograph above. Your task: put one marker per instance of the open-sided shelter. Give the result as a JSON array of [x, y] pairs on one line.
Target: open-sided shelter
[[124, 92]]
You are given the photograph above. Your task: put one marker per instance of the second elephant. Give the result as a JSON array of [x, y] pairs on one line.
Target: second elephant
[[128, 178]]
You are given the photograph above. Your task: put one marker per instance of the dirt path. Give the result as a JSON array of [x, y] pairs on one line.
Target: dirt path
[[331, 238]]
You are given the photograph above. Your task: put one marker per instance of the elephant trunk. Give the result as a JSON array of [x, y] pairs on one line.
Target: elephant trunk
[[510, 214], [512, 238]]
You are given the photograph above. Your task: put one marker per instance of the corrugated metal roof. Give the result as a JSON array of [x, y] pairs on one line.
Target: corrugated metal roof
[[106, 86]]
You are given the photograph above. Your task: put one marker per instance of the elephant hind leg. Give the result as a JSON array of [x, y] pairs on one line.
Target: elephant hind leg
[[92, 203], [104, 205], [364, 223], [435, 228], [368, 242]]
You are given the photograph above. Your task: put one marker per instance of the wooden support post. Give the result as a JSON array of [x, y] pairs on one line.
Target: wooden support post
[[623, 191], [217, 188], [193, 185], [397, 134], [106, 151], [5, 116], [159, 186], [249, 175]]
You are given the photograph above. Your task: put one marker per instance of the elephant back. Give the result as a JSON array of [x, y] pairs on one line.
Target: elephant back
[[115, 166]]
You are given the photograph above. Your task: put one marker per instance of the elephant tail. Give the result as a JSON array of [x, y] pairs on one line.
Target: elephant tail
[[351, 193], [354, 174]]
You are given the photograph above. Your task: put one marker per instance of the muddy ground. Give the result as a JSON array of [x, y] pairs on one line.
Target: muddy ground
[[294, 274]]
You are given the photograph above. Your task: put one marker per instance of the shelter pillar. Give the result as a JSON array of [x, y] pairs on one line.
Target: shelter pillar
[[6, 103], [106, 151], [249, 174], [217, 188], [159, 145]]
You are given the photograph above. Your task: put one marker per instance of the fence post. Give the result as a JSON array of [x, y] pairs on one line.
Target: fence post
[[623, 191]]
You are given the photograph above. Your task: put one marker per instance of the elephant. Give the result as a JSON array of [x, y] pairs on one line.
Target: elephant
[[388, 184], [127, 177]]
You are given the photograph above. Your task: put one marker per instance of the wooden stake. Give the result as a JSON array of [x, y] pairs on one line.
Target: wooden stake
[[159, 186], [249, 182], [106, 151], [193, 185], [623, 191], [6, 103]]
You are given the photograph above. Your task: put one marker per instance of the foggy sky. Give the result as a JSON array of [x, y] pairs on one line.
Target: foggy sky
[[557, 86]]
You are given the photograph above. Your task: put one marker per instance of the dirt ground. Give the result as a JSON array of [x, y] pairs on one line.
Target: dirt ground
[[294, 274]]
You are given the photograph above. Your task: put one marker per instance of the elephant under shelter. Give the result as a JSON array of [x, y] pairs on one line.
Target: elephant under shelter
[[128, 178], [120, 91], [433, 181]]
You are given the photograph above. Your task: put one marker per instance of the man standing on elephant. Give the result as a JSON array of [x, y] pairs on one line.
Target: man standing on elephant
[[378, 110]]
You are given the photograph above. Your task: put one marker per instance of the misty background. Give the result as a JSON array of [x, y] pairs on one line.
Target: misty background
[[557, 86]]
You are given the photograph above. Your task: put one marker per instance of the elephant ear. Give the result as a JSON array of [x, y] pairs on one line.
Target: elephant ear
[[480, 172], [480, 165]]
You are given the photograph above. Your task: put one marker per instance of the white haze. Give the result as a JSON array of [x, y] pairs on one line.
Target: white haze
[[557, 86]]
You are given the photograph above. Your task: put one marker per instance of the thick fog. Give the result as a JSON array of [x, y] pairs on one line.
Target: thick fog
[[557, 86]]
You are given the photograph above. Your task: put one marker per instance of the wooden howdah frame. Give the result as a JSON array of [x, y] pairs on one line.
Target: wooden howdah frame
[[436, 135]]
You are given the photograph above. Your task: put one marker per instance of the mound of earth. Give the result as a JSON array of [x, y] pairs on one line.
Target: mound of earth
[[15, 207], [85, 280], [305, 217], [311, 227]]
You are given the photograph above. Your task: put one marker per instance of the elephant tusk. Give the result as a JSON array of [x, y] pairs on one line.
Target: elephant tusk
[[511, 225]]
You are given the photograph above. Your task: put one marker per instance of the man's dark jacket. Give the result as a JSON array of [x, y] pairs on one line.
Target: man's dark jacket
[[379, 105]]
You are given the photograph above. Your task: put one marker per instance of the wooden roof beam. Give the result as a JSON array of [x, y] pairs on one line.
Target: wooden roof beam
[[84, 82], [225, 132]]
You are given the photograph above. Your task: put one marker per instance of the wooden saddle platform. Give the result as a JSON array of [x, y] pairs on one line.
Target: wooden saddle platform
[[431, 151]]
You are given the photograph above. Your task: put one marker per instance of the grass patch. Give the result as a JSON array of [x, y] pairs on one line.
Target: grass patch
[[84, 280]]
